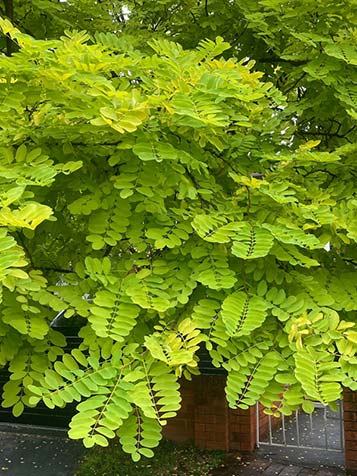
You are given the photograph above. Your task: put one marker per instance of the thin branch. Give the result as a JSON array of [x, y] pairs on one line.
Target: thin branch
[[27, 252], [349, 131], [194, 18], [55, 270], [296, 83], [350, 261], [325, 134], [156, 25], [236, 39], [197, 185], [276, 59], [323, 171], [249, 200], [9, 9], [104, 144]]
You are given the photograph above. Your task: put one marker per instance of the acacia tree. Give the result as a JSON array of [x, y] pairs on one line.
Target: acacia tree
[[175, 198]]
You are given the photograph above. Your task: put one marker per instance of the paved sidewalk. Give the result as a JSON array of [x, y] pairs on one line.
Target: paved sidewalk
[[38, 455], [268, 468], [260, 466], [52, 454]]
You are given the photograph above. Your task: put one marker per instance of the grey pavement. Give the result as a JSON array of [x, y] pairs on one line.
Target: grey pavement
[[322, 429], [264, 467], [304, 445], [49, 454], [303, 456]]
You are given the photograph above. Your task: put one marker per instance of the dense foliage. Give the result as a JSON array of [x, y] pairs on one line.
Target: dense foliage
[[173, 196]]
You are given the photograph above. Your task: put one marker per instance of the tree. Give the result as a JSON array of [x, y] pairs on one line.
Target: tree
[[173, 197]]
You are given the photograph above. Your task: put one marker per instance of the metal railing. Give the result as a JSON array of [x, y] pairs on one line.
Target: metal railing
[[322, 429]]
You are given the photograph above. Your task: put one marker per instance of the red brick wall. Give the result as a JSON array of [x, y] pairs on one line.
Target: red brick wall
[[264, 423], [350, 426], [206, 419], [182, 427], [242, 430], [211, 413]]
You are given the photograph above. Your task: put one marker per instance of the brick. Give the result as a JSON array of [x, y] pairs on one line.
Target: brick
[[235, 437], [245, 418], [234, 427], [234, 418], [351, 445], [220, 436], [350, 425], [199, 419], [234, 446], [350, 397], [244, 437], [200, 427], [350, 435], [205, 419], [351, 455], [350, 416], [217, 427], [247, 446], [214, 445]]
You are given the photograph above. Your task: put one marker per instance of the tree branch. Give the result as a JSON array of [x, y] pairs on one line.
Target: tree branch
[[276, 59], [350, 261], [194, 19], [105, 144], [295, 83], [206, 8], [324, 134], [22, 243], [9, 12], [55, 270]]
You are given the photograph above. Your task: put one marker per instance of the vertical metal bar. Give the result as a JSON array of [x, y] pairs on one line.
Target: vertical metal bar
[[257, 423], [283, 428], [325, 427], [270, 431], [297, 427], [302, 439]]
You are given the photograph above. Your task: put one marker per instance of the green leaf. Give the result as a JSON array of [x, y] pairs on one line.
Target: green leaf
[[242, 313], [251, 242]]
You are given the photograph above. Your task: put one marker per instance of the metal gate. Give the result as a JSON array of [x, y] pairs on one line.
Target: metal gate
[[322, 429]]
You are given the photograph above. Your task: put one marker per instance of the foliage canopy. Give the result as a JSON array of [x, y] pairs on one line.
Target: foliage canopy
[[177, 194]]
